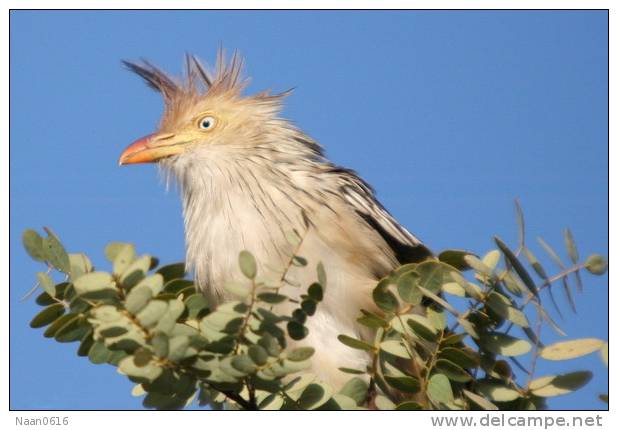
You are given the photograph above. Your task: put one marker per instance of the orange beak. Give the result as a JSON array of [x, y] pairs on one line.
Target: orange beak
[[152, 148]]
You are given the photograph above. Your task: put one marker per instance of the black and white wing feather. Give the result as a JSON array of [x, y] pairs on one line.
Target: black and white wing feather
[[361, 197]]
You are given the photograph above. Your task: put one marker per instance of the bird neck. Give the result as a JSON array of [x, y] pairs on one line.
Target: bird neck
[[233, 203]]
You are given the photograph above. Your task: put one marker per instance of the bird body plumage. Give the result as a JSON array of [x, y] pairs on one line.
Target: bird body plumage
[[247, 186]]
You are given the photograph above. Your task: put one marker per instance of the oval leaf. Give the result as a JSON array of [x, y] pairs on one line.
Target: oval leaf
[[247, 264], [550, 386], [571, 349], [509, 346]]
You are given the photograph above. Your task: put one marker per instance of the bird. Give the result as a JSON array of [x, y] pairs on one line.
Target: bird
[[248, 177]]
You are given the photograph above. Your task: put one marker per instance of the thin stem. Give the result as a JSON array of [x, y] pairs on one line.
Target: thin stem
[[535, 356], [245, 322]]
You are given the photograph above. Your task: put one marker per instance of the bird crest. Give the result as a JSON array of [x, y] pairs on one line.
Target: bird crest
[[226, 79]]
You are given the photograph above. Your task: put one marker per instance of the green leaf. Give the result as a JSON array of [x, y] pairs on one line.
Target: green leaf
[[167, 322], [113, 331], [384, 298], [85, 345], [136, 271], [454, 288], [465, 358], [57, 324], [433, 274], [293, 238], [172, 271], [534, 262], [550, 386], [422, 327], [124, 255], [299, 261], [44, 299], [355, 343], [138, 298], [396, 348], [383, 403], [272, 298], [112, 249], [512, 283], [406, 384], [247, 264], [244, 364], [315, 292], [468, 327], [178, 347], [46, 282], [80, 264], [596, 264], [160, 345], [437, 317], [106, 313], [33, 243], [604, 398], [439, 389], [142, 357], [55, 253], [604, 352], [147, 373], [299, 316], [409, 405], [455, 258], [300, 354], [571, 349], [91, 282], [175, 286], [308, 306], [356, 389], [270, 344], [297, 331], [351, 371], [313, 396], [153, 282], [371, 320], [519, 268], [521, 224], [504, 308], [258, 354], [491, 259], [99, 353], [151, 314], [479, 267], [197, 305], [480, 400], [570, 245], [496, 391], [47, 315], [407, 288], [504, 344], [452, 371], [72, 330]]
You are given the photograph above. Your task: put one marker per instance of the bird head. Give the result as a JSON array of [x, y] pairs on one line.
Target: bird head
[[205, 113]]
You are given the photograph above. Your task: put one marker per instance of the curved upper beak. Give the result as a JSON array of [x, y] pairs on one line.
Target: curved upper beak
[[152, 148]]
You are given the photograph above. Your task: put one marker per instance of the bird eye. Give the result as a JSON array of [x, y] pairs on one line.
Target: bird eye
[[207, 123]]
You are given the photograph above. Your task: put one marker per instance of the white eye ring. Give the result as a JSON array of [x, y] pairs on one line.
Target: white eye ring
[[207, 123]]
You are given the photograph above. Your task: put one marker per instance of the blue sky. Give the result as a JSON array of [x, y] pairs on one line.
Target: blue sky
[[449, 115]]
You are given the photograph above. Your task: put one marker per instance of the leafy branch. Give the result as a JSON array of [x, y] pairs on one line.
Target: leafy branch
[[443, 331]]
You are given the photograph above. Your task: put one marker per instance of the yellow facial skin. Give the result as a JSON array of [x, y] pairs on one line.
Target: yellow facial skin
[[153, 147]]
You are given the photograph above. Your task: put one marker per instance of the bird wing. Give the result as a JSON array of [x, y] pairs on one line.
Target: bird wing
[[361, 197]]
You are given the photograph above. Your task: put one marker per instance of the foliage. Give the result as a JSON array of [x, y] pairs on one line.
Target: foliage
[[458, 353]]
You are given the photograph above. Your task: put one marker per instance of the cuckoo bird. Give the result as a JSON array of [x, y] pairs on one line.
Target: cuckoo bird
[[248, 177]]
